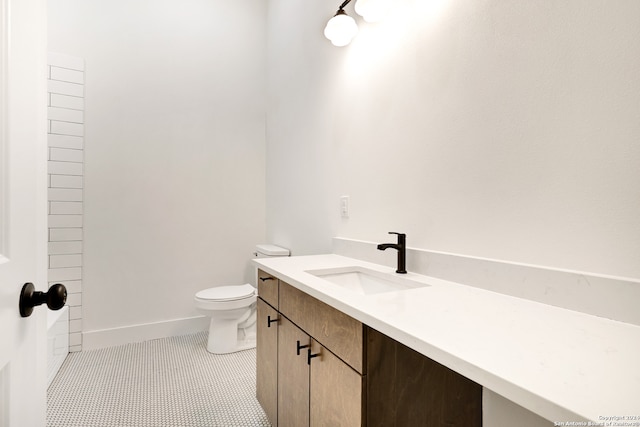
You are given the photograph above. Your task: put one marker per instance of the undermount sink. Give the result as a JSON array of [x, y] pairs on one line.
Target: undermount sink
[[365, 281]]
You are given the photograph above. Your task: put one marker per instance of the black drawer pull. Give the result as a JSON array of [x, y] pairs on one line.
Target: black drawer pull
[[270, 321], [300, 347], [264, 279], [311, 356]]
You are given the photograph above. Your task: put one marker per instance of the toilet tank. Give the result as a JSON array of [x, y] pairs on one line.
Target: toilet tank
[[268, 251]]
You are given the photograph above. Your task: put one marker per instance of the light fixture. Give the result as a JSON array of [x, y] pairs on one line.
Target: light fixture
[[342, 28], [372, 10]]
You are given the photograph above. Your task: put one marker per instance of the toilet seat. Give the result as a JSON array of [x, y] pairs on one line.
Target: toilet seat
[[227, 293]]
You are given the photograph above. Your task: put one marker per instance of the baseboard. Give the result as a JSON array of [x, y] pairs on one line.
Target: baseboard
[[102, 338]]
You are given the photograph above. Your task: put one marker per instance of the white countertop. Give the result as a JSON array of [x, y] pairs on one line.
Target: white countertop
[[561, 364]]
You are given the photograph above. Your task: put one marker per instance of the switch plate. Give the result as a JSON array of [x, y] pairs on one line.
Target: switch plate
[[344, 206]]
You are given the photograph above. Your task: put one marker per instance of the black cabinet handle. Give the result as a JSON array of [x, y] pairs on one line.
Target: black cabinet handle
[[264, 279], [55, 298], [311, 356], [270, 321], [300, 347]]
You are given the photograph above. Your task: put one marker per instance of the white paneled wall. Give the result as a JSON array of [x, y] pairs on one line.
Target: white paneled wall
[[66, 145]]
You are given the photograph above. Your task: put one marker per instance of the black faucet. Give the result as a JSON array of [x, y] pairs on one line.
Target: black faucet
[[401, 247]]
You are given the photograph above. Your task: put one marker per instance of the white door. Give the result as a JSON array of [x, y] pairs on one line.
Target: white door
[[23, 221]]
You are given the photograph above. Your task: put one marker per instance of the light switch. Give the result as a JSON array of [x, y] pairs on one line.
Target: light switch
[[344, 206]]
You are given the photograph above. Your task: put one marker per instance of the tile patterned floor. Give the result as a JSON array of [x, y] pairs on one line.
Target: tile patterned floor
[[171, 382]]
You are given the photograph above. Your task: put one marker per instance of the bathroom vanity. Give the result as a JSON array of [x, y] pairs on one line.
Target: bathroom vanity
[[347, 342], [318, 366]]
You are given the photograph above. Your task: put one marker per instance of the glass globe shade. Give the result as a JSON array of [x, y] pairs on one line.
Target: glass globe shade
[[341, 29], [372, 10]]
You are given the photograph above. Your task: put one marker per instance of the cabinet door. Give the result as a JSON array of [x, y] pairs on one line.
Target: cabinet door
[[293, 376], [267, 360], [405, 388], [336, 398]]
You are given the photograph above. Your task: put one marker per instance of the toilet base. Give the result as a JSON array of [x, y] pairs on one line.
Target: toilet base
[[225, 337]]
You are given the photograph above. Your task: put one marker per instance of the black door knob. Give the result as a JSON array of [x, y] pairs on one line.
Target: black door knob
[[55, 298]]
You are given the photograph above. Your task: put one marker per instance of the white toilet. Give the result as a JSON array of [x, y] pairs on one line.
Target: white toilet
[[233, 311]]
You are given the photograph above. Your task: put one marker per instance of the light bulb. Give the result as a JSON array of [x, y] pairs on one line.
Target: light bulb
[[372, 10], [341, 29]]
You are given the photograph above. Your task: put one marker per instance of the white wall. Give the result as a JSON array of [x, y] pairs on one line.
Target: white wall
[[174, 150], [499, 130], [503, 130]]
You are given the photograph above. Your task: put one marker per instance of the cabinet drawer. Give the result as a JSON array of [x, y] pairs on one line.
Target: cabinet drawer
[[338, 332], [268, 288]]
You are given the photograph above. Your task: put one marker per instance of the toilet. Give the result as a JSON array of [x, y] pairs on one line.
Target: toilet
[[232, 310]]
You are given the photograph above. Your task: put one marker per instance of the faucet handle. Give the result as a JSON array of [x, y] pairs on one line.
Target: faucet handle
[[402, 238]]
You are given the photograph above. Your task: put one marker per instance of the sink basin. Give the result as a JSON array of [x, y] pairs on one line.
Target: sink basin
[[365, 281]]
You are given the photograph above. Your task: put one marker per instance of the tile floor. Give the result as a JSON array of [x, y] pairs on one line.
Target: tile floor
[[171, 382]]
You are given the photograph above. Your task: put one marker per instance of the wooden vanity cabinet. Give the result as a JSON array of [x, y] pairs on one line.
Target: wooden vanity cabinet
[[317, 366]]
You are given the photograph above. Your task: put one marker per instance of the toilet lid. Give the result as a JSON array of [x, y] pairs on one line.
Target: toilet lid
[[227, 293]]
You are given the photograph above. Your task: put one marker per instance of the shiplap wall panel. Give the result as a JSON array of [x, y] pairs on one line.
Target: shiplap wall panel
[[65, 208], [66, 170]]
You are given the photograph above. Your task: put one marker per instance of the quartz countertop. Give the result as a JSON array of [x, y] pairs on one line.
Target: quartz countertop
[[560, 364]]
